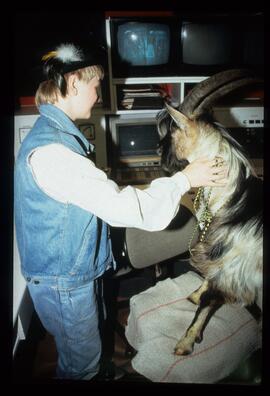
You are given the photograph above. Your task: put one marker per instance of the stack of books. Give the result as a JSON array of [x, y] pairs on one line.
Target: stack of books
[[141, 97]]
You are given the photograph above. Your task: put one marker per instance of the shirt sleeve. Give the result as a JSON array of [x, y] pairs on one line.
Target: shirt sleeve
[[71, 178]]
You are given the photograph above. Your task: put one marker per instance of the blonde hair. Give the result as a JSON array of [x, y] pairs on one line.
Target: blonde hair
[[49, 91]]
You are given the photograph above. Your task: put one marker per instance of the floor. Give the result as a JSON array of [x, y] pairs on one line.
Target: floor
[[36, 357]]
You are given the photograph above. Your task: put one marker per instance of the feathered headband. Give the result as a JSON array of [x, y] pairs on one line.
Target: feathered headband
[[67, 58], [66, 53]]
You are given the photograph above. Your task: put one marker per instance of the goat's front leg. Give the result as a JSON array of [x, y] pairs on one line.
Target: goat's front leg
[[195, 297], [194, 333]]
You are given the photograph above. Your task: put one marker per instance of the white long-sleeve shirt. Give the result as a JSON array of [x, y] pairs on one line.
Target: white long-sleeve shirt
[[71, 178]]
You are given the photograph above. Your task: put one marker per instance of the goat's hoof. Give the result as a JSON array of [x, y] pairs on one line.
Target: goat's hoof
[[183, 348]]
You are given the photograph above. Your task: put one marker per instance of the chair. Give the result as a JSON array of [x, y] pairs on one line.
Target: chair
[[161, 254], [145, 257]]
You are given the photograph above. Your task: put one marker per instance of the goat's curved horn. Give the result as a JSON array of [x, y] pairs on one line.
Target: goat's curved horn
[[214, 96], [204, 94]]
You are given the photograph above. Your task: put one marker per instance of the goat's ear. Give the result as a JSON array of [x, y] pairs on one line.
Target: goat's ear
[[180, 119]]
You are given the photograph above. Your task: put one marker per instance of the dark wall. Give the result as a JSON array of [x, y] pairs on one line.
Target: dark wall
[[37, 33]]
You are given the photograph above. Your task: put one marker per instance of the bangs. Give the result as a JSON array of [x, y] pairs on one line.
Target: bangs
[[88, 73]]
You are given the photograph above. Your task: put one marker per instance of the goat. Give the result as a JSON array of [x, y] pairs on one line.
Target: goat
[[229, 252]]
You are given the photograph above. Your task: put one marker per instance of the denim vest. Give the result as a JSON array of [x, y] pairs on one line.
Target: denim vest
[[56, 241]]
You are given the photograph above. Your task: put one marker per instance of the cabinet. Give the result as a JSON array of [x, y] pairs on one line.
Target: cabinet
[[94, 130], [22, 304]]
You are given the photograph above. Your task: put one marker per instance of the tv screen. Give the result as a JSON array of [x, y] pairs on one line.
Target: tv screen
[[206, 43], [138, 140], [143, 44]]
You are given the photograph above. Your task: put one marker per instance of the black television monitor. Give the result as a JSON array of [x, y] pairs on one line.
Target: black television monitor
[[133, 150], [185, 45], [206, 44], [138, 140], [144, 46], [135, 140], [211, 44]]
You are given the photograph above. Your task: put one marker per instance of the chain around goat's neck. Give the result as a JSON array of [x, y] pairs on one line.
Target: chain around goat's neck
[[206, 216]]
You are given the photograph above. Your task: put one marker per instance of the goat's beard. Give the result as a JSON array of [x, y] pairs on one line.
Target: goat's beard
[[169, 161]]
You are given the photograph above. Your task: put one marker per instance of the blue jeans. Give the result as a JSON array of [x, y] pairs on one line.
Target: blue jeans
[[71, 316]]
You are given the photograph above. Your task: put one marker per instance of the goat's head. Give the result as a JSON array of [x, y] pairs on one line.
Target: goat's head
[[190, 132], [179, 138]]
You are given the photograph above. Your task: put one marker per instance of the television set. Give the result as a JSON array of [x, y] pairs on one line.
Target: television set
[[211, 44], [134, 148], [206, 43], [186, 45], [135, 142], [144, 46], [135, 139]]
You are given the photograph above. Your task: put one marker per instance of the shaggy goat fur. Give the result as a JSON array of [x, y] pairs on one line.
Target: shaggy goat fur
[[230, 256]]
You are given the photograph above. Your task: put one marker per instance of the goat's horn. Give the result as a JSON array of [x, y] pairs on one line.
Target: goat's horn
[[222, 91], [213, 88]]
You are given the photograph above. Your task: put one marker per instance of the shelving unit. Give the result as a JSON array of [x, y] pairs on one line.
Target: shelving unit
[[178, 83]]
